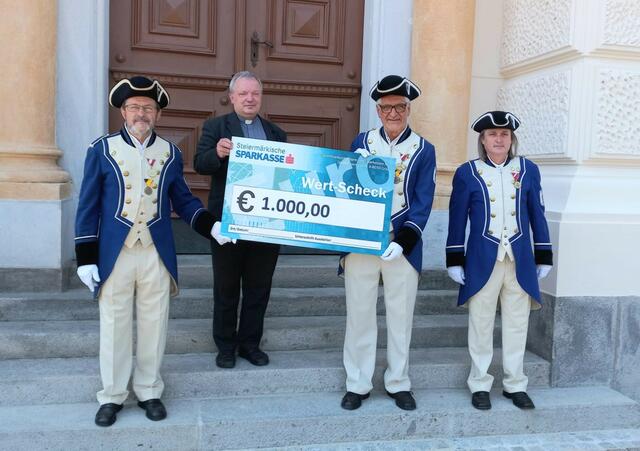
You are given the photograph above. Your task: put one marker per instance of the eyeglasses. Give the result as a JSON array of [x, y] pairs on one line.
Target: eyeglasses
[[133, 108], [400, 108]]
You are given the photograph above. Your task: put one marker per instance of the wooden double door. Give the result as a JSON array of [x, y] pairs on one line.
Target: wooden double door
[[307, 53]]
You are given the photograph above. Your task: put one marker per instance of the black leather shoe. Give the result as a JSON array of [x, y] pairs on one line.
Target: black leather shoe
[[352, 401], [404, 400], [106, 414], [254, 356], [154, 408], [520, 399], [481, 400], [226, 359]]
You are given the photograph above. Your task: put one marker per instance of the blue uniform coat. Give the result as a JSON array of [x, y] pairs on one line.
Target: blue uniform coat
[[470, 203], [101, 227]]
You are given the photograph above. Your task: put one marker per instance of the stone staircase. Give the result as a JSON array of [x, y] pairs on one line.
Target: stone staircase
[[49, 375]]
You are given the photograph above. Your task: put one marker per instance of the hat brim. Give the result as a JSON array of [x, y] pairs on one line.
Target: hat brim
[[124, 89]]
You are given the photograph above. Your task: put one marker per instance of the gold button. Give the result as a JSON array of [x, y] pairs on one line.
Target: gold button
[[125, 214], [480, 171], [128, 186], [121, 162], [155, 215], [155, 201], [489, 183], [415, 146], [113, 153], [493, 199], [400, 193], [490, 232], [403, 205], [513, 196], [139, 222], [373, 152], [166, 155], [126, 173], [142, 213], [515, 230], [370, 141], [513, 213], [161, 162], [128, 201], [493, 215]]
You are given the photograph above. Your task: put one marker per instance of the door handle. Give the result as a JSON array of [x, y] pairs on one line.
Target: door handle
[[255, 42]]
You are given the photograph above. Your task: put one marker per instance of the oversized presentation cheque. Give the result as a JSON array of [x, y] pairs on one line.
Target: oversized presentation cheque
[[307, 196]]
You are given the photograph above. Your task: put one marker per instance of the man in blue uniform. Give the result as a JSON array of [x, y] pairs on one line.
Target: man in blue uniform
[[401, 263], [245, 264], [124, 244], [500, 195]]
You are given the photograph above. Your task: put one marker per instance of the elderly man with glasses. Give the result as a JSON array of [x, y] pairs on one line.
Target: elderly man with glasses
[[125, 247], [400, 264]]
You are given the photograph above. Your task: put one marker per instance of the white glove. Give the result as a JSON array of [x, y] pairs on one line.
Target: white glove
[[543, 271], [456, 273], [364, 153], [394, 250], [219, 237], [89, 276]]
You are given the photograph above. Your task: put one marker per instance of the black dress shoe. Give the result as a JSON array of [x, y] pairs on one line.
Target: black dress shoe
[[481, 400], [254, 356], [404, 400], [226, 359], [154, 408], [352, 401], [106, 414], [520, 399]]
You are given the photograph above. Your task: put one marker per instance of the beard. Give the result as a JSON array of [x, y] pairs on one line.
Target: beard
[[140, 127]]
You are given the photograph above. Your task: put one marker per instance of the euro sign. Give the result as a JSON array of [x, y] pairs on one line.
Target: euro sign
[[242, 200]]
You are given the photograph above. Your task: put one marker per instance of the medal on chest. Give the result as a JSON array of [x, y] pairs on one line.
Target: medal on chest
[[400, 167], [515, 175], [152, 174]]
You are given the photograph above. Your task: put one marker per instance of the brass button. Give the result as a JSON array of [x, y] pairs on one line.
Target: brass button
[[125, 214], [373, 152], [113, 153], [493, 215], [515, 230], [513, 213], [142, 213], [400, 193], [155, 215], [166, 155], [370, 141], [121, 162], [415, 146], [403, 205], [161, 162], [480, 171], [139, 222], [489, 183], [128, 186], [513, 196], [490, 232], [493, 199], [128, 201], [155, 201], [126, 173]]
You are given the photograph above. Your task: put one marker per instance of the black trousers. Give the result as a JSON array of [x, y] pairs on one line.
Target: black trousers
[[250, 266]]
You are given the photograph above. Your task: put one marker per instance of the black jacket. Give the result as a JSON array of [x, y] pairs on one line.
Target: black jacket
[[207, 162]]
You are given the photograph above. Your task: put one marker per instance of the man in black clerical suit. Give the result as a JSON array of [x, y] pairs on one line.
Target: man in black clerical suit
[[243, 264]]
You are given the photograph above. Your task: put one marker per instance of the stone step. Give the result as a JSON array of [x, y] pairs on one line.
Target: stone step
[[78, 304], [32, 381], [48, 339], [293, 271], [311, 418]]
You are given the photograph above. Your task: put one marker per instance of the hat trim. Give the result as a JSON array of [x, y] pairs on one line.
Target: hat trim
[[155, 84], [508, 116]]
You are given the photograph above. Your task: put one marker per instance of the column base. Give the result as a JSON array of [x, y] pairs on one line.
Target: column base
[[34, 190]]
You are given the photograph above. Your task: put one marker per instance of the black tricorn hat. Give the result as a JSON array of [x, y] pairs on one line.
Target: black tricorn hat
[[138, 86], [394, 85], [496, 119]]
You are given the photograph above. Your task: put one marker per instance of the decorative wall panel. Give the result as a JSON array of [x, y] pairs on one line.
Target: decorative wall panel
[[617, 121], [533, 28], [542, 104], [622, 22], [311, 131]]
